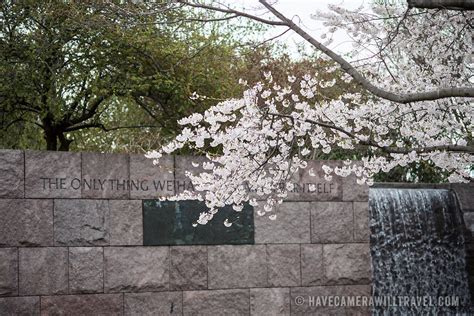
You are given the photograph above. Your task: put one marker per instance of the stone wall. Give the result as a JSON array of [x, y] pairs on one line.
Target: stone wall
[[71, 242]]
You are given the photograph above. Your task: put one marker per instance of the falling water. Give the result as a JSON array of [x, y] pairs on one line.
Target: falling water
[[417, 249]]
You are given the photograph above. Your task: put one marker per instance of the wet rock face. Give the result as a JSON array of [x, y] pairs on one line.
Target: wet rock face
[[417, 245]]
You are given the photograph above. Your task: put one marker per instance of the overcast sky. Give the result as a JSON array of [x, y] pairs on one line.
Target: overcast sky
[[303, 9]]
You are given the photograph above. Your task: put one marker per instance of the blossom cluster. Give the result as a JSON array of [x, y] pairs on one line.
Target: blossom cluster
[[269, 134]]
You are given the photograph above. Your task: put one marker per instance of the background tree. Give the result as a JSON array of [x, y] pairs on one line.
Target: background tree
[[76, 70]]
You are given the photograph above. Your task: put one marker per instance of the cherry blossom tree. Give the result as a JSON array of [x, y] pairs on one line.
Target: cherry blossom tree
[[417, 106]]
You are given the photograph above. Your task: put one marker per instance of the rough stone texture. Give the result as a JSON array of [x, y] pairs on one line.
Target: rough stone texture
[[136, 269], [270, 302], [323, 190], [126, 222], [8, 271], [312, 269], [52, 167], [82, 305], [237, 266], [151, 304], [292, 224], [318, 293], [331, 222], [81, 222], [465, 195], [347, 264], [12, 171], [220, 279], [20, 306], [283, 265], [26, 222], [188, 267], [220, 302], [185, 163], [111, 169], [86, 270], [351, 191], [361, 222], [151, 177], [43, 271]]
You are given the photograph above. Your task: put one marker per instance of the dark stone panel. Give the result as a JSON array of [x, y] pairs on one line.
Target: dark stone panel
[[171, 223]]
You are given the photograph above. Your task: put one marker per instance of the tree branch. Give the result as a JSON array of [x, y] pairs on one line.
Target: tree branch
[[442, 4], [389, 150], [106, 129], [231, 11], [358, 77], [442, 93], [89, 112]]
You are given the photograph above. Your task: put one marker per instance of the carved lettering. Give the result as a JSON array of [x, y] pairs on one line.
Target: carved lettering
[[160, 185]]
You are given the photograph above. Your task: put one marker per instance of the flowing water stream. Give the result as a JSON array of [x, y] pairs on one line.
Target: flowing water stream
[[417, 249]]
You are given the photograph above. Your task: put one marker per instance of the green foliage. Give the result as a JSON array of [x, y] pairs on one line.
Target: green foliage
[[94, 74]]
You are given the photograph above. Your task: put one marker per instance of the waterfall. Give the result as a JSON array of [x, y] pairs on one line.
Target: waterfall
[[417, 249]]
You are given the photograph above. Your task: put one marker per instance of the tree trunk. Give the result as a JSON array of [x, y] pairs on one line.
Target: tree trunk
[[51, 140], [63, 142], [54, 136]]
